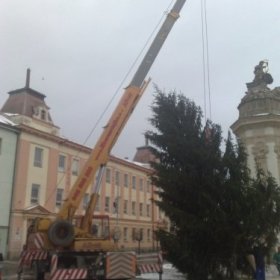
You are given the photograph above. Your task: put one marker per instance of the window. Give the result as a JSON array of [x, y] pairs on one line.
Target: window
[[148, 186], [125, 234], [107, 203], [141, 184], [108, 175], [141, 234], [85, 200], [0, 145], [59, 197], [35, 190], [148, 234], [133, 182], [75, 166], [125, 180], [97, 206], [133, 205], [141, 209], [116, 204], [148, 210], [61, 163], [38, 157], [43, 114], [117, 178], [133, 234], [125, 205]]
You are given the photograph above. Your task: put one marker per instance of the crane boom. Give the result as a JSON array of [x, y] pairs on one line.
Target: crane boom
[[157, 43], [100, 153], [79, 249]]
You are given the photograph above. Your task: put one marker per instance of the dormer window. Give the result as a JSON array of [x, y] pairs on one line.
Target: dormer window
[[43, 114]]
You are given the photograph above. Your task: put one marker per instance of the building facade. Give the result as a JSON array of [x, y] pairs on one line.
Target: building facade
[[8, 144], [258, 125], [47, 165]]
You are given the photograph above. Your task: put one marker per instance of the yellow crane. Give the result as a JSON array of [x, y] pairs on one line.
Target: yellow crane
[[59, 250]]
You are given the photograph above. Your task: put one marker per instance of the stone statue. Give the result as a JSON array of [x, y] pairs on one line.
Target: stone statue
[[262, 77]]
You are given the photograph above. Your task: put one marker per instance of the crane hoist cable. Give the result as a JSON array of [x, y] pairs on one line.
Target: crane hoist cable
[[205, 58], [148, 40], [128, 73]]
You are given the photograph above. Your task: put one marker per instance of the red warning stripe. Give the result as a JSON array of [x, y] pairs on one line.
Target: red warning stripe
[[150, 268], [28, 256], [39, 240], [66, 274], [150, 262], [69, 274]]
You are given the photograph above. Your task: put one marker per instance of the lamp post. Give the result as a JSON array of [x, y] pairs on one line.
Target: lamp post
[[116, 234], [139, 238]]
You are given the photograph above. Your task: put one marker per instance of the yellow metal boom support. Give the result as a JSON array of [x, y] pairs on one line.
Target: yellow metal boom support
[[99, 155]]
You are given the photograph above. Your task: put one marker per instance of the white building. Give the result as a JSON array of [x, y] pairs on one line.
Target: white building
[[258, 125], [8, 144]]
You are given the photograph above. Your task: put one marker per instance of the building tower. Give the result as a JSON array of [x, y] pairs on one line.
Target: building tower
[[258, 125]]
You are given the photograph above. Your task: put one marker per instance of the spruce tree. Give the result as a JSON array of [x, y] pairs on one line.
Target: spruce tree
[[216, 210]]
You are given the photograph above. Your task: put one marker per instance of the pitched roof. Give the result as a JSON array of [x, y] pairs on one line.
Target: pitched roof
[[23, 102]]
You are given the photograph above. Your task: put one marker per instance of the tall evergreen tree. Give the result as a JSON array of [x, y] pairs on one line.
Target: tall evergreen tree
[[216, 210]]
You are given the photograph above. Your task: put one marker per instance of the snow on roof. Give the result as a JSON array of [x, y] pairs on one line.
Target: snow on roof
[[146, 165], [6, 121]]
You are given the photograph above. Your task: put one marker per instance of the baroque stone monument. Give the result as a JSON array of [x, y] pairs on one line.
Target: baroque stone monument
[[258, 124]]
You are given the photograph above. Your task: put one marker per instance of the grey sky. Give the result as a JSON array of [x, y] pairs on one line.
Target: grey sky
[[80, 51]]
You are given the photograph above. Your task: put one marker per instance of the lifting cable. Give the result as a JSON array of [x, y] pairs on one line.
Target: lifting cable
[[128, 72], [118, 89], [205, 58]]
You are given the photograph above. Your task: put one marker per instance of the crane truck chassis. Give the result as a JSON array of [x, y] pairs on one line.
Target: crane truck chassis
[[59, 250]]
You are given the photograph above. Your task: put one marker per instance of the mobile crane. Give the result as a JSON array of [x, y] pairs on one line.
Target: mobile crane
[[59, 250]]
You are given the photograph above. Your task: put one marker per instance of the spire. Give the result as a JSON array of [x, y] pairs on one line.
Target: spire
[[27, 78]]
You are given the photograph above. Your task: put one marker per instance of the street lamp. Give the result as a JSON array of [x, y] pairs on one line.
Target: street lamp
[[138, 237], [116, 234]]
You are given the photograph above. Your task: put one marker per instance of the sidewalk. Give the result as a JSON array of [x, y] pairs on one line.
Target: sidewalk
[[9, 271], [272, 272]]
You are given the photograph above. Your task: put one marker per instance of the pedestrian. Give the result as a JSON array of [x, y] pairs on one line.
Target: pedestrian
[[276, 259], [259, 254]]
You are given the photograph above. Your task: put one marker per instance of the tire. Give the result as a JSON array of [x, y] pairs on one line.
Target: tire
[[61, 233]]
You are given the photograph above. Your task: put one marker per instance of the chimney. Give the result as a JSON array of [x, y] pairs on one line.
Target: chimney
[[27, 78]]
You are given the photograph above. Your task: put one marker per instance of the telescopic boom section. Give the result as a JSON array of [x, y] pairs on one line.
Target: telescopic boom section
[[100, 153], [157, 43]]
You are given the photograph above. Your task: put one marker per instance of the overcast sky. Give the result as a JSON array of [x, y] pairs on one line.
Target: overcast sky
[[80, 51]]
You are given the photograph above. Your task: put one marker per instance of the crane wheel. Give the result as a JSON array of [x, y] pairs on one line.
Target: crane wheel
[[61, 233]]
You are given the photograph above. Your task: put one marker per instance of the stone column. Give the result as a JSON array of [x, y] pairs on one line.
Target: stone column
[[258, 125]]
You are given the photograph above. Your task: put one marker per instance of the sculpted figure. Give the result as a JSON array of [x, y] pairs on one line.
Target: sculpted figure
[[262, 77]]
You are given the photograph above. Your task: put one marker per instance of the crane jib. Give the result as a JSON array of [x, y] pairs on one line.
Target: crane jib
[[156, 45], [61, 234]]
